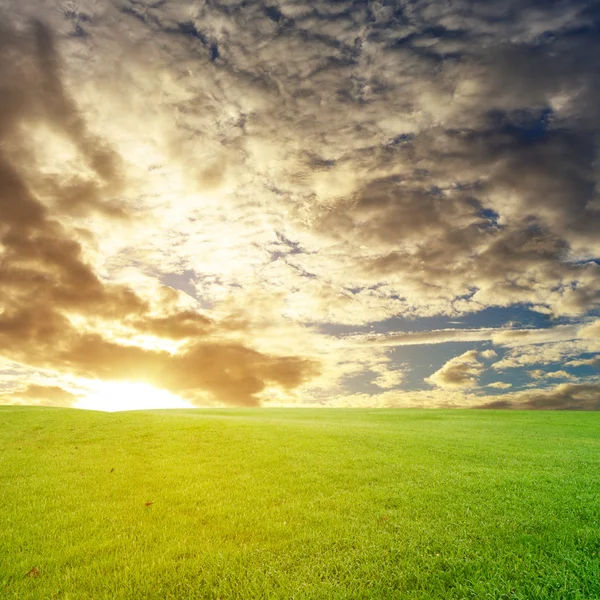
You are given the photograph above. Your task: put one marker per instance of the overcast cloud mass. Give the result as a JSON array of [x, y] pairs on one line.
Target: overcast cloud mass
[[349, 203]]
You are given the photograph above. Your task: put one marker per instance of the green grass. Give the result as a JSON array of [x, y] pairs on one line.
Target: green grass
[[276, 503]]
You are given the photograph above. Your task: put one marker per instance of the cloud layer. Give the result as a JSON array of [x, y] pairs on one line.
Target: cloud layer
[[200, 196], [57, 313]]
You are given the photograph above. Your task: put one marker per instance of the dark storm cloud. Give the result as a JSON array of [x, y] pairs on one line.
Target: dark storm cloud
[[46, 280]]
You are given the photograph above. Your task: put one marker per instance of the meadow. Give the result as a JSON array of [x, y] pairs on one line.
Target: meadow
[[299, 504]]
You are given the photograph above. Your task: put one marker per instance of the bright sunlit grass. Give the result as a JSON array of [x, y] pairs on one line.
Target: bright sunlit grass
[[277, 503]]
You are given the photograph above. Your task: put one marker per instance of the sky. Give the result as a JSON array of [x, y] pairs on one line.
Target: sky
[[339, 203]]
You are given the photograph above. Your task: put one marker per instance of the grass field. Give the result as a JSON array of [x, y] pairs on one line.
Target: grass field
[[281, 503]]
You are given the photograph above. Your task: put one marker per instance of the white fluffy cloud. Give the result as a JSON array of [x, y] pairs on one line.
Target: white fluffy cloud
[[499, 385], [540, 374], [460, 372]]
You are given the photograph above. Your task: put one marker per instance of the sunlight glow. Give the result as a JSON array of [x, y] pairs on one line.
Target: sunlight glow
[[113, 396]]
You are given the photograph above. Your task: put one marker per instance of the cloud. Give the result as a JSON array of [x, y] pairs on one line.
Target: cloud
[[594, 361], [56, 312], [303, 164], [40, 395], [540, 374], [439, 336], [567, 396], [459, 372], [410, 151], [500, 385], [591, 332], [499, 336], [544, 354], [436, 398], [387, 378], [231, 372], [521, 337]]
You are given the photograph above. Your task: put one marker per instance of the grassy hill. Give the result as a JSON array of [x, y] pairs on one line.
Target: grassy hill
[[281, 503]]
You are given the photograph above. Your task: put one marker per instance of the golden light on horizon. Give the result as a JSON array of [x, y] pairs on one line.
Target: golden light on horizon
[[114, 396]]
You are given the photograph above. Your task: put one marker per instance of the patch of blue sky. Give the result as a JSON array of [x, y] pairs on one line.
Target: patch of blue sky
[[518, 377], [423, 360], [361, 383], [529, 126], [581, 371], [516, 316], [181, 281]]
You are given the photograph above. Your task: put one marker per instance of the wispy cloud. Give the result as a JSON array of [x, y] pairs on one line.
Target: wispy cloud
[[500, 336], [500, 385], [540, 374]]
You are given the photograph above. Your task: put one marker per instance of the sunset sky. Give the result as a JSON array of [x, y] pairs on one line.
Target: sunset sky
[[300, 203]]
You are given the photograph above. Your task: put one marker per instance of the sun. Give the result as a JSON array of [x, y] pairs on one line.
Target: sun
[[113, 396]]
